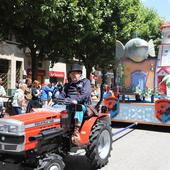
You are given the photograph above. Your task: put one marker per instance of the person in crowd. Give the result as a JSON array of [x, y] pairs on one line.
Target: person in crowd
[[2, 93], [18, 103], [35, 101], [46, 94], [17, 85], [55, 93], [77, 91], [28, 93], [58, 88], [94, 93], [107, 92]]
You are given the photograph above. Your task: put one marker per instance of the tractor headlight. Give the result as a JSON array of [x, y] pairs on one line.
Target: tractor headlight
[[8, 128], [12, 129], [11, 126]]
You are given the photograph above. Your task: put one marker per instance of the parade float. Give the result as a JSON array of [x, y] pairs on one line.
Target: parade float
[[147, 78]]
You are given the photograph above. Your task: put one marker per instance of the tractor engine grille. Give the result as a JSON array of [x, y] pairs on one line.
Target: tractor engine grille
[[11, 142], [7, 147]]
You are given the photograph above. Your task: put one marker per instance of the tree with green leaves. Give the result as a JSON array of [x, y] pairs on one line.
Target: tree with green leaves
[[95, 42], [47, 28], [81, 29], [61, 29], [133, 19]]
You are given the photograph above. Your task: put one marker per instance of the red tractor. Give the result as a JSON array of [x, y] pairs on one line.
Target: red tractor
[[41, 140]]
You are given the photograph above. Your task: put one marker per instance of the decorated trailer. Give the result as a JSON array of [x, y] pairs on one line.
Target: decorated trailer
[[157, 113]]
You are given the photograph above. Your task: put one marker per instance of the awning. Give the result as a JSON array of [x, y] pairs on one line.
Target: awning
[[56, 74]]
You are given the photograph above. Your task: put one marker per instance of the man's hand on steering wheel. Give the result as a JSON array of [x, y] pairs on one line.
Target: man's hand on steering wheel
[[65, 100], [71, 101]]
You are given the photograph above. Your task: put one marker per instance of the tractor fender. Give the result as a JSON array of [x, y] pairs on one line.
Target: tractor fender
[[88, 124], [86, 130]]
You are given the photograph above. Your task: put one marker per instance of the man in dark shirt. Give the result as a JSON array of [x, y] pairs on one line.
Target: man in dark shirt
[[78, 91]]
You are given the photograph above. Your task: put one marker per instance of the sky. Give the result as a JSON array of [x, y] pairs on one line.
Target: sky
[[161, 6]]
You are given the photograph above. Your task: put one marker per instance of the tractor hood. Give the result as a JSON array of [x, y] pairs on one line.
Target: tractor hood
[[28, 118], [39, 114]]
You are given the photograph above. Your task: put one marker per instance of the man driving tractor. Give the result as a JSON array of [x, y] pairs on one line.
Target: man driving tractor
[[78, 90], [40, 139]]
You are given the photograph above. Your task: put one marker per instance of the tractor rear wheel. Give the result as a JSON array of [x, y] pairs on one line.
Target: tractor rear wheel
[[100, 145], [52, 162]]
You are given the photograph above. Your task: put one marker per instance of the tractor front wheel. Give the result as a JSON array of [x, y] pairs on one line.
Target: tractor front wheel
[[51, 162], [100, 145]]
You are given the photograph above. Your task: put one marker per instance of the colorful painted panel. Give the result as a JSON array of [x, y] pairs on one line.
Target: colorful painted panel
[[162, 110], [156, 113], [138, 80]]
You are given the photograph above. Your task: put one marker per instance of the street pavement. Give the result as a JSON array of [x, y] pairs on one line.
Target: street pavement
[[145, 148]]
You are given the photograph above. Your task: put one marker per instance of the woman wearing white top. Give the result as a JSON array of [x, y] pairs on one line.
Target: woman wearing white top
[[19, 103]]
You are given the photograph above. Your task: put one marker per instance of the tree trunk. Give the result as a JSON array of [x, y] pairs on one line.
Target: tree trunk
[[114, 77], [34, 64], [88, 70], [115, 74]]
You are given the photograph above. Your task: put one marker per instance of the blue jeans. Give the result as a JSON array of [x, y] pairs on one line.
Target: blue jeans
[[17, 110], [78, 113]]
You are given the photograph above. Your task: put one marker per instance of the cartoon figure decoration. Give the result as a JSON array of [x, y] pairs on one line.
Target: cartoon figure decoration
[[135, 49], [112, 105], [110, 102], [162, 110]]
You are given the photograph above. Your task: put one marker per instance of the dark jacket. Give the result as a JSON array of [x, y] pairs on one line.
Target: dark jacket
[[79, 91]]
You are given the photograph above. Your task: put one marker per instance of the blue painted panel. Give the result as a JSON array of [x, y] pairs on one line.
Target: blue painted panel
[[138, 113], [138, 79]]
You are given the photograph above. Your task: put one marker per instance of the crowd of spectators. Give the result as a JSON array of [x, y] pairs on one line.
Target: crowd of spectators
[[29, 95]]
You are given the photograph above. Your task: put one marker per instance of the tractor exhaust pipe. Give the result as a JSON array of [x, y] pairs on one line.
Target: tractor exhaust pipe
[[47, 134]]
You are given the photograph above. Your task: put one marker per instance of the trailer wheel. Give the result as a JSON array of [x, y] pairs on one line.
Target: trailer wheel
[[100, 145], [51, 162]]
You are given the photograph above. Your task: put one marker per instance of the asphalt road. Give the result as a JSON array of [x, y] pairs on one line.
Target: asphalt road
[[145, 148]]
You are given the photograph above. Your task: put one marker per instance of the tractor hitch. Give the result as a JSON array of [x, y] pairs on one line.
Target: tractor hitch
[[122, 130]]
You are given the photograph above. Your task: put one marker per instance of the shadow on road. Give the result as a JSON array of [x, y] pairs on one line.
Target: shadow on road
[[143, 127], [77, 162], [80, 162]]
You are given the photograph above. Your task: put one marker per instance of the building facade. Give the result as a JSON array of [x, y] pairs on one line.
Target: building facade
[[163, 65], [15, 66], [11, 64]]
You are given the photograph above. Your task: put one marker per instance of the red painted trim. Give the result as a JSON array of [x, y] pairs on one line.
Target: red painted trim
[[165, 26], [56, 74], [165, 43], [164, 68]]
